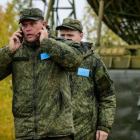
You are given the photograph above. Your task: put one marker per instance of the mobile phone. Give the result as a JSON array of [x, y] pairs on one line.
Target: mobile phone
[[21, 38]]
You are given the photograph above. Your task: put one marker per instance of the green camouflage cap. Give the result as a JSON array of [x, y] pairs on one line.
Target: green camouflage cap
[[31, 13], [73, 24]]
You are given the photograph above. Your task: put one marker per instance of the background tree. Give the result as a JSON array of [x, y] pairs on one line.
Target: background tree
[[90, 22], [9, 19]]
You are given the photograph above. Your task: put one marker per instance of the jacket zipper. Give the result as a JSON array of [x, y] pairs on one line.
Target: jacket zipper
[[34, 98], [60, 99]]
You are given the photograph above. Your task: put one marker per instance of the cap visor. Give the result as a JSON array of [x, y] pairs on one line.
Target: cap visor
[[26, 18], [64, 26]]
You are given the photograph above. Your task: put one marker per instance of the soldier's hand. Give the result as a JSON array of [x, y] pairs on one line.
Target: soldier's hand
[[101, 135], [15, 42], [41, 34]]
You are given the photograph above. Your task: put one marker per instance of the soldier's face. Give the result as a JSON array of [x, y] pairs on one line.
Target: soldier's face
[[30, 29], [71, 34]]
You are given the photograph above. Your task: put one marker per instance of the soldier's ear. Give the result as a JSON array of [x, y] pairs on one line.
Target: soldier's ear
[[44, 23], [81, 35]]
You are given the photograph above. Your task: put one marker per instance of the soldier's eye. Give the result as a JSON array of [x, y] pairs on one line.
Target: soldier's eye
[[24, 25], [33, 23]]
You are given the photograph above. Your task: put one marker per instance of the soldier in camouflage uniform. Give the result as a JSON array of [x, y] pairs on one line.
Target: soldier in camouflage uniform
[[93, 94], [41, 94]]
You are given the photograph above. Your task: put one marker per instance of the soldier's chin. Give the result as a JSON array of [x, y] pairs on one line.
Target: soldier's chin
[[32, 39]]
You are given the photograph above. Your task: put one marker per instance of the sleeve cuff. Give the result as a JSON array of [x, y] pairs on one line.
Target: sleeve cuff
[[103, 129], [8, 51]]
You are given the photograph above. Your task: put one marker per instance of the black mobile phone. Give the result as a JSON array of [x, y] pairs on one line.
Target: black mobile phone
[[21, 38]]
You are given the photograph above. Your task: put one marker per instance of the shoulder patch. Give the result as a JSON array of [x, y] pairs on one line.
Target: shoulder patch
[[103, 80]]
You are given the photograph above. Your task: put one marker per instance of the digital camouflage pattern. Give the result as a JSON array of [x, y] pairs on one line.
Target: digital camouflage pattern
[[59, 138], [41, 95], [93, 97], [70, 23], [31, 13]]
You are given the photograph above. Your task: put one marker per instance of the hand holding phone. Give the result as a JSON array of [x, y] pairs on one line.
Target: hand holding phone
[[41, 34], [15, 43]]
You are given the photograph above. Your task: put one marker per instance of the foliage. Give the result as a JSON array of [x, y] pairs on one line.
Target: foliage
[[6, 117], [90, 22], [9, 20], [8, 24]]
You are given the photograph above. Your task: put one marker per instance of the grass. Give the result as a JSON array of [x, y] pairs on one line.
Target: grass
[[6, 117]]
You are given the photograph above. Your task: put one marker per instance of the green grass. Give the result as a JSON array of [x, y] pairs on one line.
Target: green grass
[[6, 117]]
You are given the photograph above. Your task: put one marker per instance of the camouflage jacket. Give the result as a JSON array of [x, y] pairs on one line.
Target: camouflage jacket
[[93, 97], [41, 94]]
